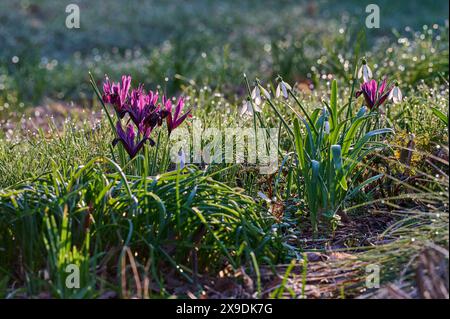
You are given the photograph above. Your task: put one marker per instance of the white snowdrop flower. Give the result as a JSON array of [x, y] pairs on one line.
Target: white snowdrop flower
[[396, 95], [247, 108], [182, 158], [243, 107], [282, 89], [256, 95], [365, 72], [327, 127]]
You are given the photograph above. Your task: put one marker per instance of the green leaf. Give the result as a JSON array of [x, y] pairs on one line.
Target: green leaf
[[337, 156], [350, 135], [299, 144], [333, 103], [336, 152], [312, 146], [369, 135], [315, 165], [343, 182], [440, 115], [315, 116]]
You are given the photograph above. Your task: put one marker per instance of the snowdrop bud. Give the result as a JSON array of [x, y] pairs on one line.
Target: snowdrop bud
[[327, 127], [182, 158], [396, 95], [365, 72], [361, 111], [264, 196], [265, 93]]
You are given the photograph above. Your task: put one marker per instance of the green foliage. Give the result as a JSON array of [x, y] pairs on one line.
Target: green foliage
[[328, 154], [69, 267]]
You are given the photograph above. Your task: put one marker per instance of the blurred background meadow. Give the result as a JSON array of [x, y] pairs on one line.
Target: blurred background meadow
[[176, 43], [52, 126]]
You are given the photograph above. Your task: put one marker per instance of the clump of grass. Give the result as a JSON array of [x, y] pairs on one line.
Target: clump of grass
[[163, 219]]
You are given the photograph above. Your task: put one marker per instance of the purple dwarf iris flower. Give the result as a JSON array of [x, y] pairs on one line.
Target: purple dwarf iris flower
[[117, 94], [144, 110], [174, 120], [138, 106], [128, 139], [375, 94]]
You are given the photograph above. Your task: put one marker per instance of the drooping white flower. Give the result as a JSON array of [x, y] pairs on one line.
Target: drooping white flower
[[247, 108], [282, 89], [256, 95], [365, 72], [396, 95]]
